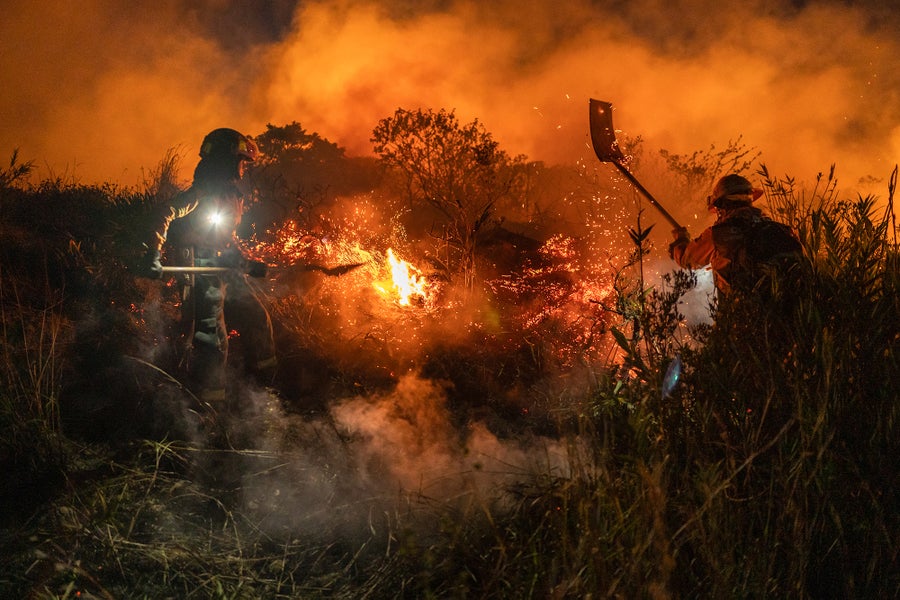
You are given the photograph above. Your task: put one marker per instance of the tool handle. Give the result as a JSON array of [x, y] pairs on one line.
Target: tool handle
[[168, 269], [649, 196]]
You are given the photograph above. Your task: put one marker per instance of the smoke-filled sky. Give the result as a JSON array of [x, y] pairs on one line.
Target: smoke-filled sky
[[98, 90]]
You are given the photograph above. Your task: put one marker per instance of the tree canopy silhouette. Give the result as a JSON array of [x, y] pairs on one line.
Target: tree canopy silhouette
[[456, 169]]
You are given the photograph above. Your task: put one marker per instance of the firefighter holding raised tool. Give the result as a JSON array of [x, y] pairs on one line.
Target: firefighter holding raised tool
[[742, 242], [199, 227]]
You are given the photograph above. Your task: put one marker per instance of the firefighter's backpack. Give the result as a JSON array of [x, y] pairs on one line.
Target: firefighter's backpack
[[769, 241]]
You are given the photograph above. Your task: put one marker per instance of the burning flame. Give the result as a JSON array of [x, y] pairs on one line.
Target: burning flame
[[407, 281]]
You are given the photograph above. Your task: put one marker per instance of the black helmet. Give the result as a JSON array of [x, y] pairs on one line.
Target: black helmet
[[735, 189], [225, 142]]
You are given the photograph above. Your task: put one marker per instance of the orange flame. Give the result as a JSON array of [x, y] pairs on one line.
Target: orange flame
[[408, 282]]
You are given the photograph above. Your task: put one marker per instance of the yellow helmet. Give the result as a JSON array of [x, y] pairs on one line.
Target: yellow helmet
[[735, 189]]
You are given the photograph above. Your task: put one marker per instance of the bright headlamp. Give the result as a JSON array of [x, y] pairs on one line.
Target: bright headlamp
[[215, 218]]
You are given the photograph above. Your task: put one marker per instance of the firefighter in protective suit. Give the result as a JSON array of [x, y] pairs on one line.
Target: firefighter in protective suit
[[198, 226], [740, 244]]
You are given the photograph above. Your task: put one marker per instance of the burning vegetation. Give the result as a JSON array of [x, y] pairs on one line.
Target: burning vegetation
[[406, 285], [484, 389]]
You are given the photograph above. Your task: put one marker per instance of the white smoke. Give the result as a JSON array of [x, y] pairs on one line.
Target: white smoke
[[370, 454]]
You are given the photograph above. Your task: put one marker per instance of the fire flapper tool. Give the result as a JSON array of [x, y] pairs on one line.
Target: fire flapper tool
[[603, 138]]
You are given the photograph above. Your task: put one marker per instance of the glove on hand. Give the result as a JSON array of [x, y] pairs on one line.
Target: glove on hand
[[150, 265], [681, 234], [682, 238], [256, 269]]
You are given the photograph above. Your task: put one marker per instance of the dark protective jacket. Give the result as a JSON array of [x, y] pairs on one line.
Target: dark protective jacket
[[207, 215], [199, 226], [740, 242]]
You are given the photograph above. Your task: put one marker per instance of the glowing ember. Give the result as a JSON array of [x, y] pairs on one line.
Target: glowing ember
[[407, 281]]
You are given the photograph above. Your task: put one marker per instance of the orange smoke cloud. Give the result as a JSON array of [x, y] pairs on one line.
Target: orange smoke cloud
[[106, 90], [99, 90]]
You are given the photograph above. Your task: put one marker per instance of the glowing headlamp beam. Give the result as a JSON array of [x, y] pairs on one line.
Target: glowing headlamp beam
[[215, 218]]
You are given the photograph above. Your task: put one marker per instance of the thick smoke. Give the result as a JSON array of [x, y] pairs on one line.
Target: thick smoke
[[100, 91], [333, 472]]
